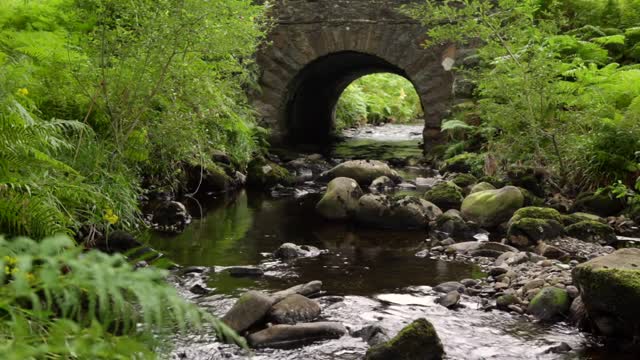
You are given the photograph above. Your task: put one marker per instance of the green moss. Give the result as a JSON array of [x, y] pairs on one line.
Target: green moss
[[579, 216], [492, 207], [535, 212], [504, 301], [464, 180], [446, 195], [465, 163], [592, 231], [530, 199], [417, 340], [483, 186], [529, 231], [266, 174], [550, 303]]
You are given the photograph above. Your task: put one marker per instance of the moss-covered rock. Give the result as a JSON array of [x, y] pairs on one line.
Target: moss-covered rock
[[530, 199], [495, 181], [579, 216], [535, 212], [446, 195], [340, 201], [265, 174], [529, 231], [452, 223], [602, 204], [464, 180], [206, 179], [610, 291], [550, 304], [418, 340], [362, 171], [592, 231], [464, 163], [483, 186], [504, 301], [492, 207]]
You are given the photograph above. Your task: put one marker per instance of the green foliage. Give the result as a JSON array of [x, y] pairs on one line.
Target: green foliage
[[550, 95], [144, 86], [376, 99], [61, 302]]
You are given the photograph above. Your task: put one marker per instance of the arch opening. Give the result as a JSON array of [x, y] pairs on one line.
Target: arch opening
[[315, 91]]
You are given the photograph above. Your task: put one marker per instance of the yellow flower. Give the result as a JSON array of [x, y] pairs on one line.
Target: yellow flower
[[110, 217], [10, 260], [31, 278], [23, 91]]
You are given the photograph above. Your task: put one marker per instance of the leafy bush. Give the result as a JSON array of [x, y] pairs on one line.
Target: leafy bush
[[60, 302], [378, 98]]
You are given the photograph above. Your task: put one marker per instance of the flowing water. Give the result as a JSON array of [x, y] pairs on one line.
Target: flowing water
[[370, 276]]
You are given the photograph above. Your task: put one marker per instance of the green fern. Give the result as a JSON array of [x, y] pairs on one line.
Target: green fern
[[51, 290]]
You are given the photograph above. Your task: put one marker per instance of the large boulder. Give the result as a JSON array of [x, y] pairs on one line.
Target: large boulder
[[446, 195], [529, 231], [290, 335], [490, 208], [294, 309], [249, 309], [417, 341], [362, 171], [610, 291], [602, 204], [405, 213], [340, 201], [593, 232], [550, 304]]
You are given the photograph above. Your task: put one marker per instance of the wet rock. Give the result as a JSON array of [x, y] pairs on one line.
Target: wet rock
[[446, 195], [211, 179], [449, 300], [452, 223], [489, 208], [498, 270], [505, 301], [483, 186], [294, 309], [362, 171], [512, 258], [449, 286], [562, 348], [602, 204], [249, 309], [265, 174], [289, 251], [592, 231], [405, 213], [308, 167], [170, 216], [372, 334], [340, 201], [610, 290], [289, 335], [307, 289], [550, 304], [469, 282], [372, 208], [551, 252], [418, 340], [578, 313], [431, 210], [200, 289], [382, 184], [244, 271], [528, 231]]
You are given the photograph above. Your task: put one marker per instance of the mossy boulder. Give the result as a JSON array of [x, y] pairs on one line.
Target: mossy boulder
[[592, 231], [602, 204], [550, 304], [535, 212], [610, 291], [446, 195], [580, 216], [483, 186], [529, 231], [490, 208], [495, 181], [464, 163], [408, 212], [362, 171], [265, 174], [417, 341], [340, 201], [464, 180]]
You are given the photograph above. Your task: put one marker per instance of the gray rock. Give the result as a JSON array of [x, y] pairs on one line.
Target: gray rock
[[449, 300], [307, 289], [289, 335], [382, 184], [362, 171], [289, 251], [294, 309], [449, 286], [249, 309]]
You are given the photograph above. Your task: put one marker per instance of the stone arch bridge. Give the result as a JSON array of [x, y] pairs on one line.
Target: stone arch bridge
[[318, 47]]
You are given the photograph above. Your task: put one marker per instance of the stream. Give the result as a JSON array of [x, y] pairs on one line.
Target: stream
[[370, 276]]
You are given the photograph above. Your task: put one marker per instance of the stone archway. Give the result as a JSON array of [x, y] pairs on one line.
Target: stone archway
[[318, 47]]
